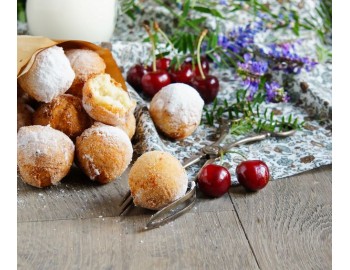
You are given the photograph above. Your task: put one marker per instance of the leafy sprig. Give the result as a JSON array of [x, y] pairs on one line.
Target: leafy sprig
[[247, 115]]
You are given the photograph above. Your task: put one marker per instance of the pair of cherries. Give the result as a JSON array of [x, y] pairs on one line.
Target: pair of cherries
[[215, 180], [149, 81], [144, 79]]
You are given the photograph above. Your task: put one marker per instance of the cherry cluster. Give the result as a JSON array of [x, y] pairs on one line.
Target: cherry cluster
[[144, 79], [215, 180], [194, 72]]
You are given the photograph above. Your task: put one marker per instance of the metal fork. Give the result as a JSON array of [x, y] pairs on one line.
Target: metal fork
[[210, 153], [225, 125]]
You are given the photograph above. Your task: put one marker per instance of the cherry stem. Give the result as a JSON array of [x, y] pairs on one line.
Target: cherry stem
[[205, 31], [158, 29], [148, 30]]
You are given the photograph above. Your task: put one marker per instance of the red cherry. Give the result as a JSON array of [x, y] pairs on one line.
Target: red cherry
[[253, 174], [205, 65], [163, 63], [153, 81], [149, 68], [208, 87], [214, 180], [134, 76], [183, 75]]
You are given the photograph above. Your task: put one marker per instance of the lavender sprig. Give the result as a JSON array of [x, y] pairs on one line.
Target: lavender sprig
[[283, 57], [275, 93], [251, 72]]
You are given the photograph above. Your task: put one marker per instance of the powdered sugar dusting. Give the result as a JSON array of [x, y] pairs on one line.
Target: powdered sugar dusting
[[50, 75], [109, 132], [85, 62], [181, 101], [43, 140]]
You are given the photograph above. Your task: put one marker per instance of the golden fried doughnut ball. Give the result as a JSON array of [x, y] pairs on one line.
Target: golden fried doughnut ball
[[105, 100], [64, 113], [44, 155], [84, 63], [129, 125], [24, 115], [176, 110], [103, 152], [50, 75], [156, 179]]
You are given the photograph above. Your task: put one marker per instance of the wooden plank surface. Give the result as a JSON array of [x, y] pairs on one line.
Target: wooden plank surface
[[74, 226], [78, 197], [194, 241], [289, 226]]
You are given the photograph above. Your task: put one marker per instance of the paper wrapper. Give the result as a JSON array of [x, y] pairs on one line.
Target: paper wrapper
[[28, 48]]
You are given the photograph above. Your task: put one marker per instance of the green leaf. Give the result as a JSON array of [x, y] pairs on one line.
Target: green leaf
[[211, 11], [295, 28], [295, 123], [214, 40], [190, 43], [198, 21], [186, 8]]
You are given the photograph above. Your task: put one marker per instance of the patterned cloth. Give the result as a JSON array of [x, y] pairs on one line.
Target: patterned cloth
[[310, 94]]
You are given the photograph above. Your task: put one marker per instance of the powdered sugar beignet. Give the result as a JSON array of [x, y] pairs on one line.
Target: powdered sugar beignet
[[177, 110], [103, 152], [50, 75], [44, 155]]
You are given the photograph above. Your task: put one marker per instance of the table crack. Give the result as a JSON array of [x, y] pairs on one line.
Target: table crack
[[245, 234]]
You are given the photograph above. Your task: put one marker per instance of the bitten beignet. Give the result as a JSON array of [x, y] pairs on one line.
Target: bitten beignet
[[105, 100], [84, 63]]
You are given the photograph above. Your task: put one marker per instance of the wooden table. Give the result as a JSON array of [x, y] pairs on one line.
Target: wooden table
[[288, 225]]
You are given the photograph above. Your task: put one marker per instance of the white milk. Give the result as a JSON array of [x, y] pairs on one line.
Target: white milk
[[90, 20]]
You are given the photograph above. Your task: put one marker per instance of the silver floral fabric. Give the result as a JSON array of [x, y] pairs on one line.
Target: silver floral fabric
[[310, 92]]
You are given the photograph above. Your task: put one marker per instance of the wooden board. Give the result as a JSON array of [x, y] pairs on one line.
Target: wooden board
[[74, 226], [289, 226], [194, 241]]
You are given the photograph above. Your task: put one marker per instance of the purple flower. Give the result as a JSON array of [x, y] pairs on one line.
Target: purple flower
[[223, 41], [252, 68], [283, 56], [251, 72], [241, 39], [275, 93]]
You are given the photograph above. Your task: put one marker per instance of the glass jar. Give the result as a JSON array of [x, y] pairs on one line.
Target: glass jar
[[90, 20]]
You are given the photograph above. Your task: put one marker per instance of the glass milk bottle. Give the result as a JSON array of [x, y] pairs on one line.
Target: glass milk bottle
[[90, 20]]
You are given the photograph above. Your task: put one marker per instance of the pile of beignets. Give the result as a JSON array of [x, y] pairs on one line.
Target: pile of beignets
[[70, 110]]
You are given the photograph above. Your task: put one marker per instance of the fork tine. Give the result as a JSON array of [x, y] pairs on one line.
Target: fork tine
[[126, 196], [126, 204], [156, 220], [155, 224]]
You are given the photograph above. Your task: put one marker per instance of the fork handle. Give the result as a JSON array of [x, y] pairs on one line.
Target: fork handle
[[192, 160], [256, 138]]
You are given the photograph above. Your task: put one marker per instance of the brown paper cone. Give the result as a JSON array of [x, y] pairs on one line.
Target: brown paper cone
[[29, 46]]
